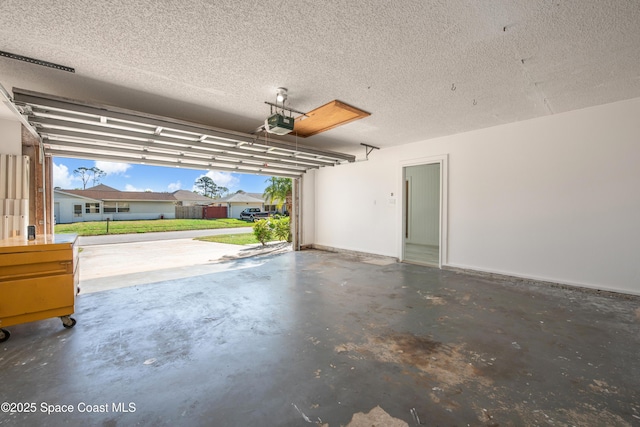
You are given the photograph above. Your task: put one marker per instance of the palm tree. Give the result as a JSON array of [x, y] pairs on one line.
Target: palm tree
[[279, 191]]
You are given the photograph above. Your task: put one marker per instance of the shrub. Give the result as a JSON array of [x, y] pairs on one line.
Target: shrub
[[282, 228], [263, 231]]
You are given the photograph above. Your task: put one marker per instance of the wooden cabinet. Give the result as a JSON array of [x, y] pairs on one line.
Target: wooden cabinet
[[38, 279]]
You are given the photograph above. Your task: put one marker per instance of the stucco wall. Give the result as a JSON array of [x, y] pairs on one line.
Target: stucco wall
[[308, 208], [63, 210], [148, 210], [554, 198]]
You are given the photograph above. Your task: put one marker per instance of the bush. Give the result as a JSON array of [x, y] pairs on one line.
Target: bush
[[282, 228], [263, 231]]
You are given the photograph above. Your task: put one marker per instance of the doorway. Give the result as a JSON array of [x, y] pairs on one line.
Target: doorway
[[422, 214], [56, 213]]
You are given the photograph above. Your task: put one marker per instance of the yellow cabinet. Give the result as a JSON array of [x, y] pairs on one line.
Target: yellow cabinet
[[38, 279]]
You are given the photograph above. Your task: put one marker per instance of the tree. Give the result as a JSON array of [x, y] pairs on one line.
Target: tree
[[222, 191], [279, 191], [98, 174], [93, 174], [208, 188], [263, 231]]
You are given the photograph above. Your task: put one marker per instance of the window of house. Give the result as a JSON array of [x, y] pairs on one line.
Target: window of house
[[109, 207], [113, 207], [77, 210], [92, 207]]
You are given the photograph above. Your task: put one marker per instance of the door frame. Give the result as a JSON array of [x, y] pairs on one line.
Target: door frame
[[443, 161]]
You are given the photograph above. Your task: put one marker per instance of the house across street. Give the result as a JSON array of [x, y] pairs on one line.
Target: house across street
[[102, 202]]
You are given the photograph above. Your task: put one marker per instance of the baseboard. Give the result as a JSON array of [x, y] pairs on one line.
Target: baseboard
[[353, 253], [616, 293]]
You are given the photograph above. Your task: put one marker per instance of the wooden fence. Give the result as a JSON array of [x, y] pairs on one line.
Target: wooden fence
[[201, 212]]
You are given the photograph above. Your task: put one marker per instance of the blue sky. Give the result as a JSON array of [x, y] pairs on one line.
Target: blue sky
[[134, 177]]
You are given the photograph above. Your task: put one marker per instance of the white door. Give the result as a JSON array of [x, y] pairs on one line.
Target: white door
[[421, 209], [56, 213]]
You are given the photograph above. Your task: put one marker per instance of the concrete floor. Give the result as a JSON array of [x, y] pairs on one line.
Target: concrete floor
[[321, 338]]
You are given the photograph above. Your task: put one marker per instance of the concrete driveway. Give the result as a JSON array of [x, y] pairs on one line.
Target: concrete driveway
[[105, 264]]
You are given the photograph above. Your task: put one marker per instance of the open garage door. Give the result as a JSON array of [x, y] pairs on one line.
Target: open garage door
[[70, 128], [76, 129]]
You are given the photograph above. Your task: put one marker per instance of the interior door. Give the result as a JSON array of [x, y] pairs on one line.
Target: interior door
[[421, 210]]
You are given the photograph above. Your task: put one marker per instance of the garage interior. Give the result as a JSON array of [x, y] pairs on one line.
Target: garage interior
[[526, 311]]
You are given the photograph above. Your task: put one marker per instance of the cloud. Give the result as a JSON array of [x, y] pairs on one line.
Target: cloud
[[174, 186], [222, 179], [61, 176], [112, 168], [130, 187]]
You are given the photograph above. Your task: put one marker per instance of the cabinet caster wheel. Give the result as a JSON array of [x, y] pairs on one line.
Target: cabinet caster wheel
[[4, 335], [68, 322]]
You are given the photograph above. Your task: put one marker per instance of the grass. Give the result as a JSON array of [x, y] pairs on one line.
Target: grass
[[231, 239], [98, 228]]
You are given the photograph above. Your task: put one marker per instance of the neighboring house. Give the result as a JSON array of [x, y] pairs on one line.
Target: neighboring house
[[267, 204], [237, 202], [189, 198], [270, 205], [102, 202]]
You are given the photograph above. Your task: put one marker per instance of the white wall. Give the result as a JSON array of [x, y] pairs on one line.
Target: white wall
[[65, 214], [147, 210], [308, 208], [555, 198], [355, 208], [10, 137]]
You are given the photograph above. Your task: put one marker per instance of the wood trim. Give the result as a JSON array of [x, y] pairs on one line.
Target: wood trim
[[326, 117]]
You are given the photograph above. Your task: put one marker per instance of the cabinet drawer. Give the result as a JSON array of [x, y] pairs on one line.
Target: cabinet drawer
[[36, 294], [33, 264]]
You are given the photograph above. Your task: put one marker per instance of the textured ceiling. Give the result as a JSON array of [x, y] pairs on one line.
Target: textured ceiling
[[422, 68]]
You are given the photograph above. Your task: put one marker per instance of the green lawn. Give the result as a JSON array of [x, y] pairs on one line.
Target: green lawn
[[99, 228], [231, 239]]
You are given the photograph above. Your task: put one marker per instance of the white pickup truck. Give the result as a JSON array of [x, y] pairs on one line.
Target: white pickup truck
[[253, 213]]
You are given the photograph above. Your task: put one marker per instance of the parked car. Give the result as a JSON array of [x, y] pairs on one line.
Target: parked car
[[253, 213]]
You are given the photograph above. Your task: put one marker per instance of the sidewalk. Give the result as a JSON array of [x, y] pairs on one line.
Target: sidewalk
[[166, 235]]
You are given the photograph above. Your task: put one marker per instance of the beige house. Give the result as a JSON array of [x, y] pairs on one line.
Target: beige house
[[103, 202]]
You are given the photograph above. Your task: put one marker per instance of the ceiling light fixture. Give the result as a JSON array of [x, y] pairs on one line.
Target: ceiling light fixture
[[278, 122], [281, 95]]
